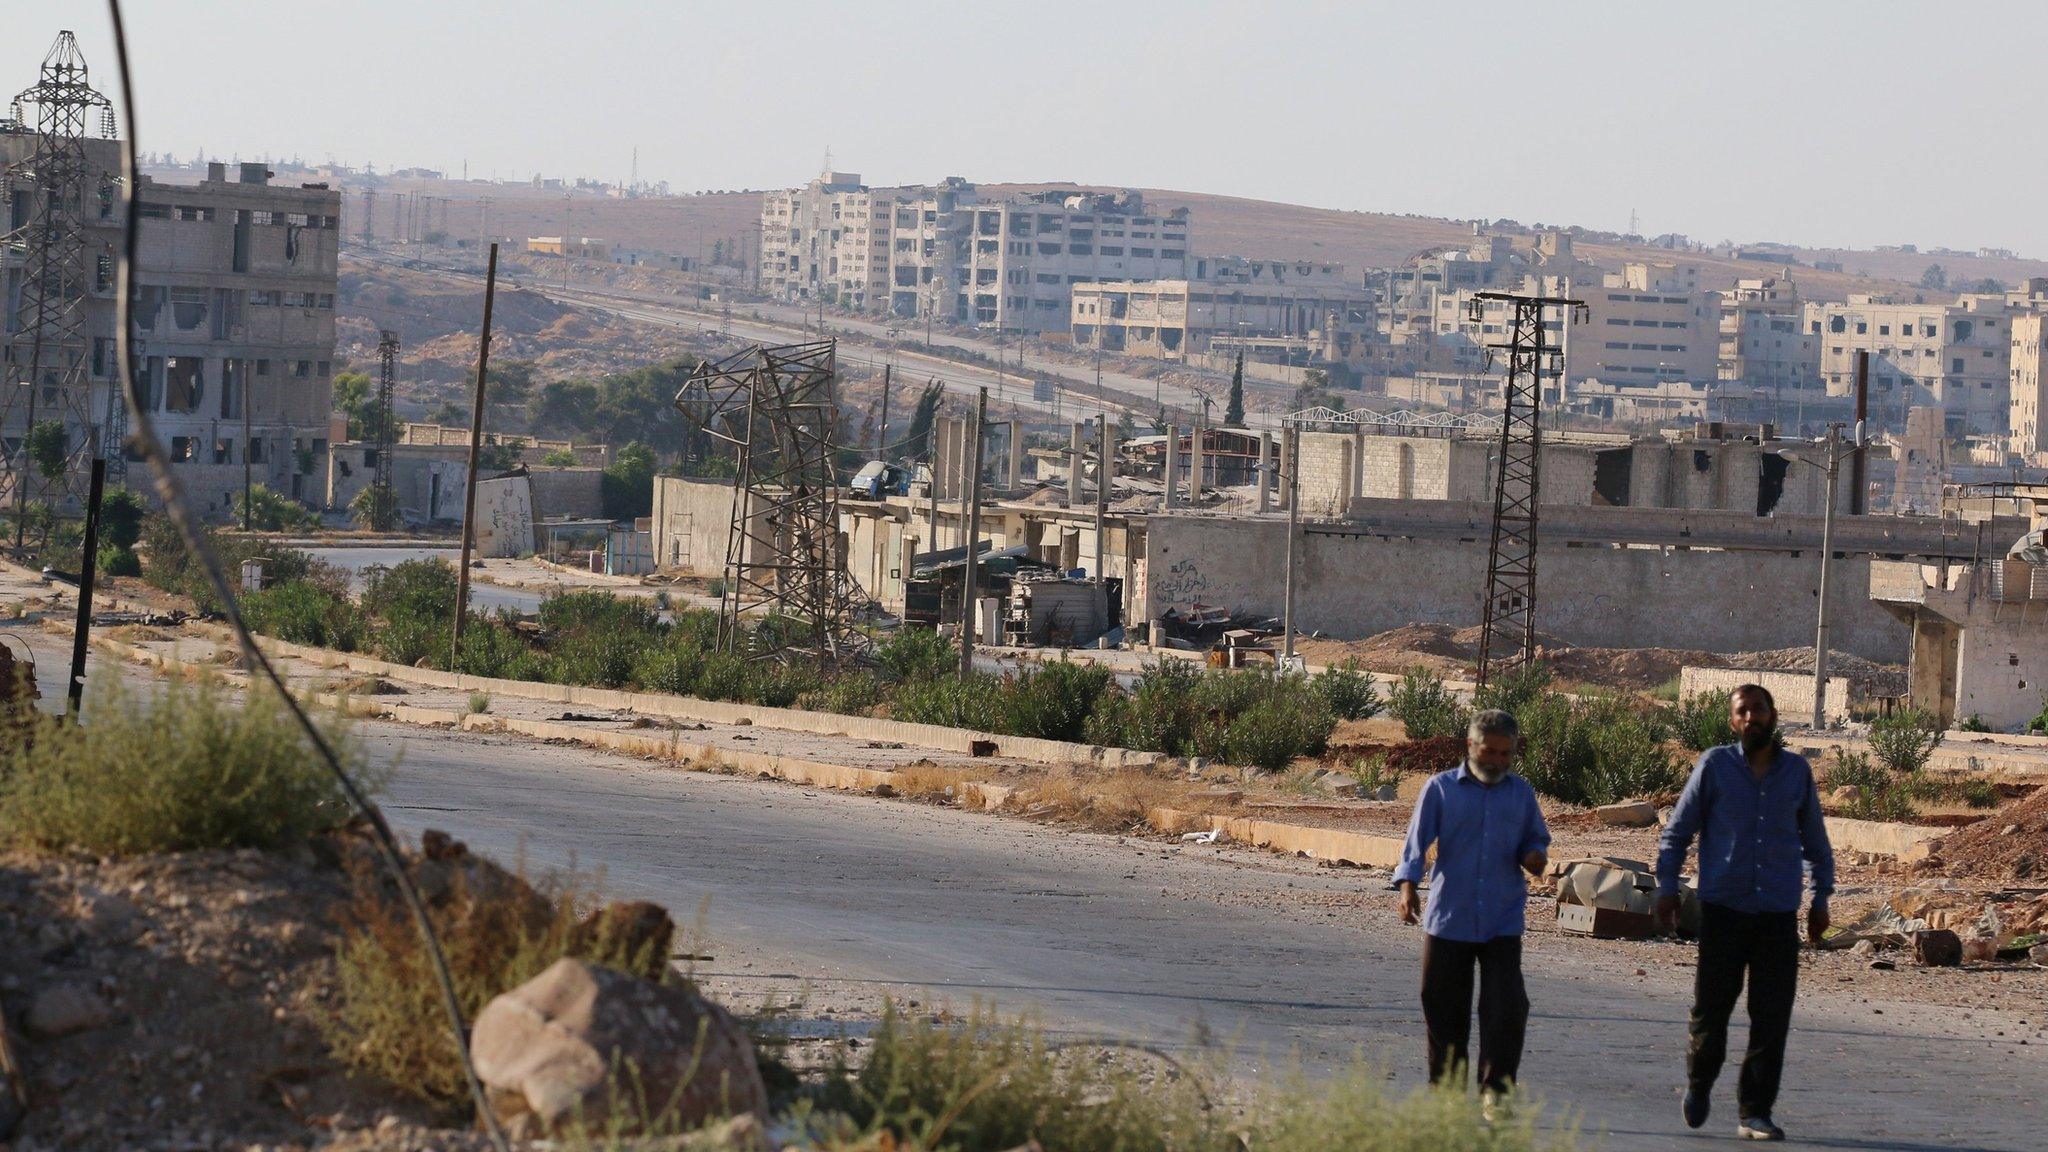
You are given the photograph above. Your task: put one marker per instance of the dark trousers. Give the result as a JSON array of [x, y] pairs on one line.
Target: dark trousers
[[1765, 945], [1447, 1007]]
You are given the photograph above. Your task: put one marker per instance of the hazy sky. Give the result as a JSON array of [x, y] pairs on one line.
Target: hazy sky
[[1814, 122]]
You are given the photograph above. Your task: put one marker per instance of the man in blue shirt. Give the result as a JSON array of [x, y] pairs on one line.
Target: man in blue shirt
[[1756, 812], [1485, 824]]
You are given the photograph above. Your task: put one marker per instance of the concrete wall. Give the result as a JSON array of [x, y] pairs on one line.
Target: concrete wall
[[575, 493], [692, 520], [1792, 691], [504, 517], [1355, 585]]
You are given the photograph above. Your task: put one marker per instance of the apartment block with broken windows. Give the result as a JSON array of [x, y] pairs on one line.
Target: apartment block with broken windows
[[235, 306], [235, 285]]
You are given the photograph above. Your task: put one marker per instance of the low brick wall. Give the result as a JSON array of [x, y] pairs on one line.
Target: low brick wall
[[1793, 691]]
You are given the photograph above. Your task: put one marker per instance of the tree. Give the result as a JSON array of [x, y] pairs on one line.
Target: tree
[[560, 458], [353, 392], [1233, 412], [627, 489], [272, 511], [375, 509], [1934, 277], [916, 440], [47, 448]]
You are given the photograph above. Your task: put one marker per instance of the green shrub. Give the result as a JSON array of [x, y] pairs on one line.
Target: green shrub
[[166, 564], [1425, 707], [722, 676], [856, 693], [669, 666], [1513, 690], [1974, 722], [1881, 794], [122, 512], [1348, 692], [1595, 749], [114, 560], [186, 767], [1053, 701], [974, 702], [302, 612], [479, 703], [1905, 740], [272, 511], [414, 604], [492, 647], [784, 684], [1700, 721], [1292, 722], [1158, 715], [917, 654]]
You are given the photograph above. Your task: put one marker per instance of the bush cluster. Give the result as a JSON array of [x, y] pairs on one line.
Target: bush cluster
[[188, 767]]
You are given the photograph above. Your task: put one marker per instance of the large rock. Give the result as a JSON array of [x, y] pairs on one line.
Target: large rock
[[1627, 814], [628, 933], [62, 1009], [548, 1048]]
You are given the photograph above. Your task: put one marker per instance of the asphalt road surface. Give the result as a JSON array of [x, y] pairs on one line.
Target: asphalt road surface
[[1275, 960]]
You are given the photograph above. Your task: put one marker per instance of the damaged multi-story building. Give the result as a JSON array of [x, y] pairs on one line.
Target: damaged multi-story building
[[1276, 311], [943, 251], [234, 286]]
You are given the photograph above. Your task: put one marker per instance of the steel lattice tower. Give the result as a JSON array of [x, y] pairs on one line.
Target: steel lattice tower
[[46, 365], [784, 563], [1507, 633], [385, 434]]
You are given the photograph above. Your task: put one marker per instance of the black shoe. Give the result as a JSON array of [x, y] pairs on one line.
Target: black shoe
[[1697, 1103], [1759, 1128]]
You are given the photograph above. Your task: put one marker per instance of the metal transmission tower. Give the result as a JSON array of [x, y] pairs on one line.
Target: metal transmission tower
[[384, 510], [1507, 633], [783, 558], [50, 196]]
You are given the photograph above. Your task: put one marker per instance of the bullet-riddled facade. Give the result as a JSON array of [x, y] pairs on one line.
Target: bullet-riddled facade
[[235, 285]]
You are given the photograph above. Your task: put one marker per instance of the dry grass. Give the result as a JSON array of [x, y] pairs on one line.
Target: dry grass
[[497, 930], [930, 782], [1115, 800]]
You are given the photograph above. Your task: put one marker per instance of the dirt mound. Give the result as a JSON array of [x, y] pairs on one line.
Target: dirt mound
[[188, 988], [2010, 844], [1427, 757]]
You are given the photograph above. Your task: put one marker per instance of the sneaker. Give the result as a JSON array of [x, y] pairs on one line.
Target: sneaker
[[1697, 1103], [1491, 1107], [1759, 1128]]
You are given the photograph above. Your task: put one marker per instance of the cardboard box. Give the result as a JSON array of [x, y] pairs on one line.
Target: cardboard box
[[1606, 923]]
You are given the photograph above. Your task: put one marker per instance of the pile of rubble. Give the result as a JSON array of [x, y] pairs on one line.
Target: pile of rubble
[[1944, 926]]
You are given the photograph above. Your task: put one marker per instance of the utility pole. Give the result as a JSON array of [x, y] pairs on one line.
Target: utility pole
[[1101, 492], [476, 436], [81, 633], [1293, 531], [384, 510], [1834, 451], [973, 536], [248, 467], [882, 442]]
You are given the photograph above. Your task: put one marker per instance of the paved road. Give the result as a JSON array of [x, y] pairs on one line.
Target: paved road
[[1170, 945]]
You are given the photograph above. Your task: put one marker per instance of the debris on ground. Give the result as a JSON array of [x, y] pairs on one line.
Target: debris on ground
[[2010, 846]]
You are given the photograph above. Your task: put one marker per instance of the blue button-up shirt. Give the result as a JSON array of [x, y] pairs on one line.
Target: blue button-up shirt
[[1753, 833], [1481, 832]]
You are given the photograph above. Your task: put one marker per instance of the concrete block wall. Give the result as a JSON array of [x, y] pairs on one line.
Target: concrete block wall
[[1793, 691], [1352, 586]]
